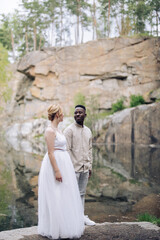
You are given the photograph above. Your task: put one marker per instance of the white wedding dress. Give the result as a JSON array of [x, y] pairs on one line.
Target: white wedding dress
[[60, 211]]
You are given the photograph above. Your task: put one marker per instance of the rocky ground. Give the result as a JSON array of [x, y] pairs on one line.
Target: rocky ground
[[104, 231]]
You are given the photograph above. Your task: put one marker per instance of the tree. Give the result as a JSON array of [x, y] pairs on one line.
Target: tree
[[9, 32], [4, 75], [55, 22], [78, 9], [5, 38], [138, 11], [36, 21], [108, 11], [3, 64], [141, 13], [94, 21], [155, 13], [51, 13]]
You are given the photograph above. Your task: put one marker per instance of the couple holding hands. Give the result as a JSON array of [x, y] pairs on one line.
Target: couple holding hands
[[63, 176]]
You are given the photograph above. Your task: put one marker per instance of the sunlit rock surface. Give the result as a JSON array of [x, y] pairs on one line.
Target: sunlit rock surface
[[138, 125], [107, 68], [104, 231]]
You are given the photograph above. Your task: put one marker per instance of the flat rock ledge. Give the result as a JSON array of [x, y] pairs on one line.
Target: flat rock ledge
[[101, 231]]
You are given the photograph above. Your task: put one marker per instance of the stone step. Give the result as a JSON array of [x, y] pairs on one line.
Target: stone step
[[101, 231]]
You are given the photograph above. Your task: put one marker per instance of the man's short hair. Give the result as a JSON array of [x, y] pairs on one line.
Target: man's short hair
[[81, 106]]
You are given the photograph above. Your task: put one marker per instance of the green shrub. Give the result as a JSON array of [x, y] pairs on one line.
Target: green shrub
[[104, 114], [79, 98], [119, 105], [92, 106], [134, 181], [119, 175], [158, 221], [5, 75], [136, 100], [146, 217], [7, 93], [3, 65]]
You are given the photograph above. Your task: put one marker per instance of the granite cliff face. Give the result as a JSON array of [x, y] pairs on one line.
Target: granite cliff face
[[138, 125], [131, 148], [107, 68]]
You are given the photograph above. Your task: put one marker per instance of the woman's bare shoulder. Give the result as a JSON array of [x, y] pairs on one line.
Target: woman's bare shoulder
[[50, 131]]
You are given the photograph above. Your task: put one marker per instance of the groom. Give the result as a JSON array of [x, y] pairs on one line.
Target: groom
[[79, 146]]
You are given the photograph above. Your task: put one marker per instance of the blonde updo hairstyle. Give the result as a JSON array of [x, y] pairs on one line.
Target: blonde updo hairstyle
[[54, 110]]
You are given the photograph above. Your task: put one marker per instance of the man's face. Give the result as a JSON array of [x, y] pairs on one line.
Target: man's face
[[79, 115]]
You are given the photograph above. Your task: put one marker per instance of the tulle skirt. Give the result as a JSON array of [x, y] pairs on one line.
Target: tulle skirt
[[60, 211]]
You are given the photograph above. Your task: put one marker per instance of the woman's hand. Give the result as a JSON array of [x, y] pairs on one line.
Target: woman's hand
[[58, 176], [90, 173]]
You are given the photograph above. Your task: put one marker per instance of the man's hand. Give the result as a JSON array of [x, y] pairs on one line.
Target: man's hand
[[90, 173]]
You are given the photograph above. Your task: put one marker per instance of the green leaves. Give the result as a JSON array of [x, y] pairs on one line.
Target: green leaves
[[79, 98], [136, 100], [5, 91], [63, 22], [146, 217], [118, 106], [3, 65]]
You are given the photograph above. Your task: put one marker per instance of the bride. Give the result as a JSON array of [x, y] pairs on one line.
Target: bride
[[60, 212]]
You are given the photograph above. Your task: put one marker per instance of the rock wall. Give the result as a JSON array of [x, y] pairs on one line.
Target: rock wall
[[138, 125], [28, 136], [107, 68]]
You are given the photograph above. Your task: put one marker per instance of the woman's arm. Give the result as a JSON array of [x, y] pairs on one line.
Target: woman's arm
[[50, 139]]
